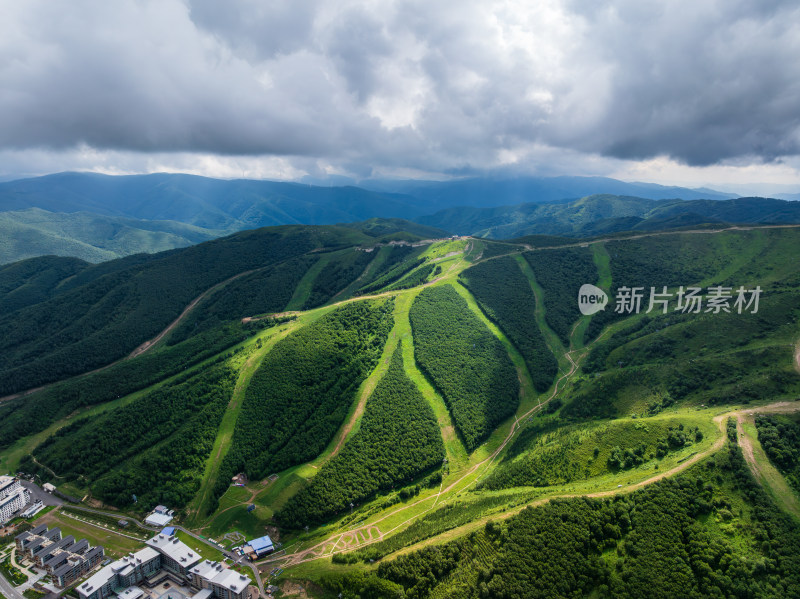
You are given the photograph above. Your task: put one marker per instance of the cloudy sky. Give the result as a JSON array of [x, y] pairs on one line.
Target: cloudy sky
[[684, 91]]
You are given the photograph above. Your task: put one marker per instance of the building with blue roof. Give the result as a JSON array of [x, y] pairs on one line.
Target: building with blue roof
[[258, 548]]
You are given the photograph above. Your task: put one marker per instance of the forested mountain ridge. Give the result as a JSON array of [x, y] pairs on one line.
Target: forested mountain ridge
[[100, 217], [603, 214], [500, 191], [65, 317], [421, 419], [243, 203]]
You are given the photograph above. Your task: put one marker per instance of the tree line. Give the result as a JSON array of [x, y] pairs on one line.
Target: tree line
[[35, 412], [466, 363], [560, 273], [105, 311], [505, 295], [398, 440], [155, 447], [301, 393]]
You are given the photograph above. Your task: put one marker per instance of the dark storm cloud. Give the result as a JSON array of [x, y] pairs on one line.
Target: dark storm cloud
[[141, 76], [701, 81], [255, 29], [437, 85]]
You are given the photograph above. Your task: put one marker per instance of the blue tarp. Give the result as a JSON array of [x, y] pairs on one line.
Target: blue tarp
[[169, 531]]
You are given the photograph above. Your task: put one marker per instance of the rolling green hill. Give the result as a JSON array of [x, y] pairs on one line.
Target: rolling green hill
[[90, 237], [429, 418], [99, 217]]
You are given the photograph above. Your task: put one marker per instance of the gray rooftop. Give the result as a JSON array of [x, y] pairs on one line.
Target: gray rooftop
[[100, 578], [64, 543], [173, 548], [218, 574]]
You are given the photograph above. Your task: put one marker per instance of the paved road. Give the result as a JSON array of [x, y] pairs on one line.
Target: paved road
[[38, 493], [119, 515], [8, 590]]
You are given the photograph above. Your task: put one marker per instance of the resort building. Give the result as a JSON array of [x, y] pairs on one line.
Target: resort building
[[223, 582], [62, 558], [165, 556]]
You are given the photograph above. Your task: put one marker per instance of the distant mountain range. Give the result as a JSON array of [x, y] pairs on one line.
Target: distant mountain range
[[487, 192], [208, 203], [97, 217], [600, 214]]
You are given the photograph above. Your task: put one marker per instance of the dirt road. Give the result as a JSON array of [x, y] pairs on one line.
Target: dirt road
[[763, 470], [330, 547]]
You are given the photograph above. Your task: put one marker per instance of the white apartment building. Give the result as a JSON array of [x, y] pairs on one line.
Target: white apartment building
[[13, 497]]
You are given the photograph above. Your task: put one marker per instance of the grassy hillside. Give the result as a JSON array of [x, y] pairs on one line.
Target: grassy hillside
[[710, 532], [543, 458], [445, 410], [780, 438], [153, 447]]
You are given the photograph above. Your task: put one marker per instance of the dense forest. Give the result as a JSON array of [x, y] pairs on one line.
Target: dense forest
[[35, 412], [154, 447], [337, 274], [560, 273], [645, 391], [402, 260], [416, 277], [106, 311], [780, 438], [398, 440], [670, 261], [705, 358], [493, 249], [466, 363], [301, 393], [505, 295], [263, 291], [34, 280], [711, 532]]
